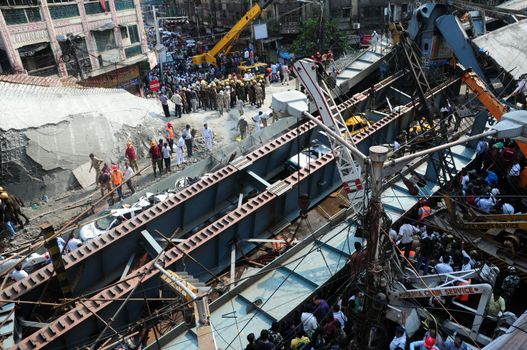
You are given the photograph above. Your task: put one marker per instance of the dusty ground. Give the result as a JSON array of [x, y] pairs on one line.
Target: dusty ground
[[65, 206]]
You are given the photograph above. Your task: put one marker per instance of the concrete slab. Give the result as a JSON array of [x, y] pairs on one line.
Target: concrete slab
[[507, 46], [83, 175]]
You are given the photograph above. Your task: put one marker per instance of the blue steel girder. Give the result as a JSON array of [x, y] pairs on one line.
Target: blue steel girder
[[101, 260], [53, 335]]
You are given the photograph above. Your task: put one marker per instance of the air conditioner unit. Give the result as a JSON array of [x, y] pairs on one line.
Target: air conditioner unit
[[355, 25]]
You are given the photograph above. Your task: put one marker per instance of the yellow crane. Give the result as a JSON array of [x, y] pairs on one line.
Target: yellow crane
[[226, 42]]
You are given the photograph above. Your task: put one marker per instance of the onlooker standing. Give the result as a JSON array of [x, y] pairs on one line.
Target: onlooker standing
[[169, 134], [155, 154], [207, 136], [167, 153], [178, 101], [179, 150], [187, 135], [128, 174], [285, 74], [257, 118], [405, 232], [164, 103], [309, 321], [131, 156], [117, 180]]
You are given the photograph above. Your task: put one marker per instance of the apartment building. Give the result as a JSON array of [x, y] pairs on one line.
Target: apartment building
[[109, 40]]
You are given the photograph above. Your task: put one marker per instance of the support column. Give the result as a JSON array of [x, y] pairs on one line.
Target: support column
[[56, 259], [90, 41], [141, 26], [117, 31], [55, 47], [12, 54]]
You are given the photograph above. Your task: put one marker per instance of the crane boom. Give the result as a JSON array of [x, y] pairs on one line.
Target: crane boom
[[495, 107], [228, 39]]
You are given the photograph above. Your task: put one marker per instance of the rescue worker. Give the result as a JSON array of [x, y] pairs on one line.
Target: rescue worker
[[179, 150], [258, 95], [207, 136], [187, 135], [423, 211], [95, 164], [219, 102], [131, 156], [227, 99], [240, 107], [194, 100], [155, 154], [169, 134], [242, 127], [14, 205], [6, 214], [117, 180]]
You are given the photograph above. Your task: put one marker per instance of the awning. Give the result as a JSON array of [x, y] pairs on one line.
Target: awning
[[106, 26], [30, 50]]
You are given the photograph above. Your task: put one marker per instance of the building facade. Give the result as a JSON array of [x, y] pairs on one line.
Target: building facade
[[109, 36]]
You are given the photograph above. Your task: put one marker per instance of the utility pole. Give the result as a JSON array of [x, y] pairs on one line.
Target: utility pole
[[158, 45]]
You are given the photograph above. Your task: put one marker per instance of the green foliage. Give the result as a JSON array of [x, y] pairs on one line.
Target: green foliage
[[307, 43]]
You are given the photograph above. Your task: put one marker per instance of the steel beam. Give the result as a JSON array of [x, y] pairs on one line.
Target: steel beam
[[186, 207]]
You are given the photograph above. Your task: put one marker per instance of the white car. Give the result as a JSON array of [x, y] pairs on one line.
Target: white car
[[302, 159]]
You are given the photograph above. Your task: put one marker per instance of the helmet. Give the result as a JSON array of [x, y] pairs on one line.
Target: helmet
[[429, 342], [153, 143], [1, 189], [512, 269], [4, 195], [114, 167], [169, 124]]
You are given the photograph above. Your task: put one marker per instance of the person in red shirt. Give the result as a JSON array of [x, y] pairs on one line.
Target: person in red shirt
[[131, 156], [157, 160]]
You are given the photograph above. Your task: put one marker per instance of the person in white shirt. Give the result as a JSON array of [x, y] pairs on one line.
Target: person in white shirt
[[18, 273], [507, 208], [444, 267], [396, 146], [257, 118], [179, 150], [486, 204], [178, 101], [187, 135], [339, 316], [399, 341], [265, 118], [406, 232], [167, 154], [127, 177], [61, 243], [394, 236], [207, 136], [73, 243], [309, 321]]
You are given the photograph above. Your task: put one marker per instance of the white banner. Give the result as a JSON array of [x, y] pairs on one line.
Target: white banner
[[260, 31]]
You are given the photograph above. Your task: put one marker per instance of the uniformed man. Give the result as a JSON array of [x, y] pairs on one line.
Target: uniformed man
[[95, 164], [179, 150], [258, 95], [257, 119]]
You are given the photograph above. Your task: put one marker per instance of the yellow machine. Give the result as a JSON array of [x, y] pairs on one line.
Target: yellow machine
[[225, 44], [356, 123]]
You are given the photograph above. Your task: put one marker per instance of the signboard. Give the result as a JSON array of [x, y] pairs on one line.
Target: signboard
[[442, 292], [154, 85], [114, 78], [260, 31]]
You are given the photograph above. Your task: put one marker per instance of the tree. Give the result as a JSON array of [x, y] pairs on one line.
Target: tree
[[307, 43]]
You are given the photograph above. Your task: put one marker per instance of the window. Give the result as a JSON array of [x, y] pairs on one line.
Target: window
[[20, 16], [133, 51], [131, 34], [105, 40], [346, 13], [124, 4], [94, 7], [64, 11], [19, 3]]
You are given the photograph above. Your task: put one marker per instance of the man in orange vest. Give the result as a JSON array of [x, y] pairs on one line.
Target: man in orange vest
[[424, 210], [117, 180], [169, 134]]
